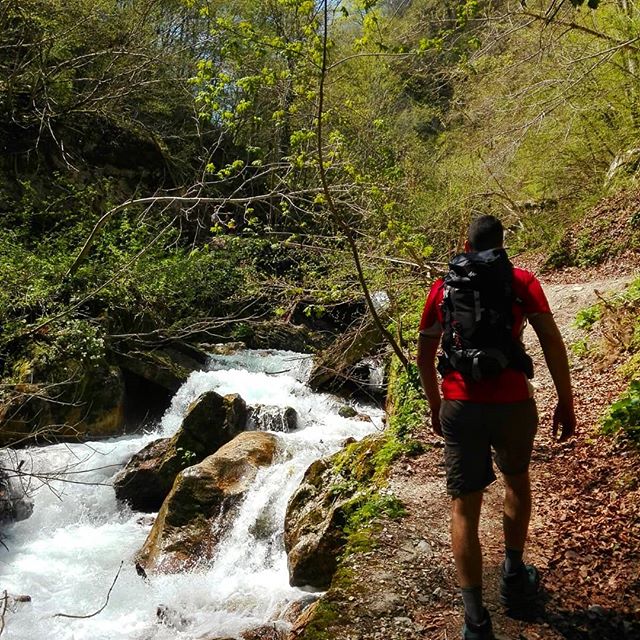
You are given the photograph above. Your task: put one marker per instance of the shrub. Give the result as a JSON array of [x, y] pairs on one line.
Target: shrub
[[623, 417]]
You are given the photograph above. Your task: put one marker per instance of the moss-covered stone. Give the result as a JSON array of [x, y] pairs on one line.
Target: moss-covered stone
[[319, 512], [355, 480]]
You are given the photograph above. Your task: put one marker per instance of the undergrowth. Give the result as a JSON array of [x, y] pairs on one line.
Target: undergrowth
[[623, 417], [618, 322]]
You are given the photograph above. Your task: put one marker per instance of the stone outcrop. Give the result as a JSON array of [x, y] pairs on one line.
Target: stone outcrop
[[61, 397], [166, 367], [340, 367], [88, 405], [313, 530], [193, 516], [210, 422], [147, 478], [265, 632], [264, 417], [15, 504]]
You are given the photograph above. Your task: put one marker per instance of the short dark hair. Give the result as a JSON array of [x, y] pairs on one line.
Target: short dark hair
[[485, 232]]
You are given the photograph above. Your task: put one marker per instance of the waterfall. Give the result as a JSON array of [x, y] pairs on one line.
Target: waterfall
[[67, 554]]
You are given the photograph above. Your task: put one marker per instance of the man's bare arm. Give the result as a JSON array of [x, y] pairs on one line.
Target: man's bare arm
[[555, 355], [426, 360]]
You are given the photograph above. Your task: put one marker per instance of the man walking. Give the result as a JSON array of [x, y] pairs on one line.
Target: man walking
[[478, 312]]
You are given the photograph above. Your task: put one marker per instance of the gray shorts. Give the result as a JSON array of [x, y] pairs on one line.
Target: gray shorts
[[472, 429]]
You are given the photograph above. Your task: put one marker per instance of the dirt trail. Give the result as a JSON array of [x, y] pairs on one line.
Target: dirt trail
[[585, 531]]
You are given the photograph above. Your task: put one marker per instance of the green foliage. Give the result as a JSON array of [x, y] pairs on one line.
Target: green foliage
[[586, 318], [623, 417], [432, 114], [326, 612], [580, 348], [380, 505], [619, 316], [186, 457], [407, 406]]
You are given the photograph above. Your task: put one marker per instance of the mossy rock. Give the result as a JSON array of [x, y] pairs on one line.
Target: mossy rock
[[318, 512]]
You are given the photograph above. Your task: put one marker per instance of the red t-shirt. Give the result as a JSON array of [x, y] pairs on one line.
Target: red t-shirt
[[510, 385]]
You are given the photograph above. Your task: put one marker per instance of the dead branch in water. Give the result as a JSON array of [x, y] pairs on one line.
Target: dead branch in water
[[102, 608]]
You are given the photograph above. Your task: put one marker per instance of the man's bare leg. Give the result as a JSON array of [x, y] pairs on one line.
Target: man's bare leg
[[467, 553], [517, 513], [516, 517]]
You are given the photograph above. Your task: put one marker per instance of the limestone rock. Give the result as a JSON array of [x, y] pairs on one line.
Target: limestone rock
[[340, 368], [193, 516], [89, 405], [265, 632], [318, 511], [210, 422], [263, 417], [303, 619], [15, 504], [166, 367], [295, 610], [313, 530], [147, 478], [224, 348]]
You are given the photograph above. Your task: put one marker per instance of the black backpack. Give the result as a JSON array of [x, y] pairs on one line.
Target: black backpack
[[477, 317]]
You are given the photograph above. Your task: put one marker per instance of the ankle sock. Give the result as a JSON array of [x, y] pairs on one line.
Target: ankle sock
[[512, 561], [473, 609]]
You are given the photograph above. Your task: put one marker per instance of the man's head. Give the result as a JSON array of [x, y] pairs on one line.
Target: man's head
[[485, 232]]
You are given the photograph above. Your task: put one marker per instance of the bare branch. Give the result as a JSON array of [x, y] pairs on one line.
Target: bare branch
[[623, 44], [101, 609], [332, 207]]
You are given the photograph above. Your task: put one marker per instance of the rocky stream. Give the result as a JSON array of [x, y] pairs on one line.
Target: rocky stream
[[214, 564]]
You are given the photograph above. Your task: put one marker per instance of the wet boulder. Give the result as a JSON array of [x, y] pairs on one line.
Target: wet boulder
[[210, 422], [70, 401], [266, 632], [147, 478], [172, 618], [263, 417], [165, 367], [194, 515], [15, 504]]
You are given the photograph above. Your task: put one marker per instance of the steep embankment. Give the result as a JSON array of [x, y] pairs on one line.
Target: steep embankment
[[584, 533]]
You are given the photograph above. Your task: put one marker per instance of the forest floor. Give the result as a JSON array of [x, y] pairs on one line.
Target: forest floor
[[584, 535]]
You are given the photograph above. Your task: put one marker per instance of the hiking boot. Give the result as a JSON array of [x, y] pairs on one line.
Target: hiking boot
[[520, 593], [482, 631]]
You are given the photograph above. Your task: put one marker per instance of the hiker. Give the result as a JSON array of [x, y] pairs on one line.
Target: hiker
[[478, 312]]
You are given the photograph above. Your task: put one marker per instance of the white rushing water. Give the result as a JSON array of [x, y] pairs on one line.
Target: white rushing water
[[67, 554]]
